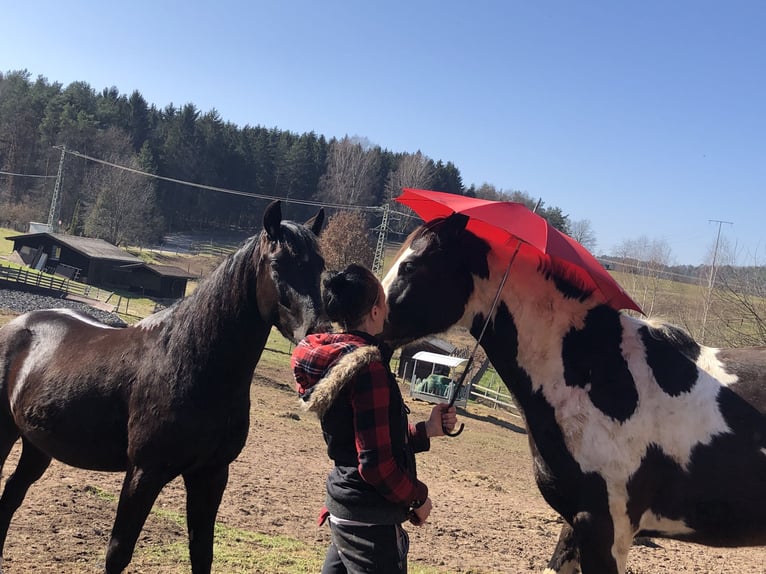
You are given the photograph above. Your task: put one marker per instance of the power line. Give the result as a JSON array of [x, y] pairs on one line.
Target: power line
[[26, 175], [221, 189], [665, 272], [385, 209]]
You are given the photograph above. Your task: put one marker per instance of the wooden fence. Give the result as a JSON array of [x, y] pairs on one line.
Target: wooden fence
[[498, 399], [53, 283]]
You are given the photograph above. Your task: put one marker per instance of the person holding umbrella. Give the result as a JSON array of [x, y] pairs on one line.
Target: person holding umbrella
[[344, 377]]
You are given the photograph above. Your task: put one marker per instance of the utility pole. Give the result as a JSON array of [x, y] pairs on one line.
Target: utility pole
[[711, 277], [55, 211]]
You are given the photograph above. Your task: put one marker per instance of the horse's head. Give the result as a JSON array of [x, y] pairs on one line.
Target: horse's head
[[291, 263], [432, 279]]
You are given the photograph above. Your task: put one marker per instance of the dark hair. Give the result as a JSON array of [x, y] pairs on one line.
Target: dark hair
[[350, 294]]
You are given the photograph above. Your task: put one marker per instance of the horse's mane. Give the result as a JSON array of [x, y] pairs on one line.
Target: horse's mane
[[237, 273], [567, 281], [224, 288], [675, 336]]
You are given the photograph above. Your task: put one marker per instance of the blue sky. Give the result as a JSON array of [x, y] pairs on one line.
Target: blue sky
[[645, 118]]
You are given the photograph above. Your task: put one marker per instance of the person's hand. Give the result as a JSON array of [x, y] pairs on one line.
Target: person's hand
[[419, 515], [442, 417]]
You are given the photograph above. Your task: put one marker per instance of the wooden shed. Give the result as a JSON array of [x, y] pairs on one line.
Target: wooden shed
[[97, 262]]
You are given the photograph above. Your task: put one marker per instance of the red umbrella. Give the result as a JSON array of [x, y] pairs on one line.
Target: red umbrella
[[505, 223]]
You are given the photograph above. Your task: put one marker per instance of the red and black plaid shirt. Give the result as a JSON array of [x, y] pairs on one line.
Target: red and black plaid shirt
[[371, 400]]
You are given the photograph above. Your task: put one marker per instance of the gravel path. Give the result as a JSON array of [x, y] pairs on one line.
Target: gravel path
[[21, 302]]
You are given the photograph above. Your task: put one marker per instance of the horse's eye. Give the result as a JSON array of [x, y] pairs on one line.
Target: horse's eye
[[406, 268]]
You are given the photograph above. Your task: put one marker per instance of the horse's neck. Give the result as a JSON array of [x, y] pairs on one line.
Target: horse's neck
[[222, 314], [525, 336]]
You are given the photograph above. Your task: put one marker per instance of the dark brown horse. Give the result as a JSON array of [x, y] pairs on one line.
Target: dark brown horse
[[168, 396]]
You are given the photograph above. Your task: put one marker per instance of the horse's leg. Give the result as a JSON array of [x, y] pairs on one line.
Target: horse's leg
[[204, 490], [139, 491], [594, 535], [31, 466], [566, 557]]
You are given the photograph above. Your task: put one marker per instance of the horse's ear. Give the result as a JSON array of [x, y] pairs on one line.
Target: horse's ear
[[272, 218], [315, 223], [454, 224]]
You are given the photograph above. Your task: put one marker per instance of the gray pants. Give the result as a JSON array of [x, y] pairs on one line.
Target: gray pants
[[379, 549]]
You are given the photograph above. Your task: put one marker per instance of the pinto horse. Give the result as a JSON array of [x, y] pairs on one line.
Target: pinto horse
[[165, 397], [630, 435], [743, 370]]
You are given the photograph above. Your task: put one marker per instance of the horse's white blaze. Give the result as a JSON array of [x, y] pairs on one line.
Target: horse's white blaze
[[392, 273]]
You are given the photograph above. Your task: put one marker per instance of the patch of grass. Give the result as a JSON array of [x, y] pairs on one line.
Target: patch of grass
[[130, 307], [236, 550], [6, 247], [276, 354]]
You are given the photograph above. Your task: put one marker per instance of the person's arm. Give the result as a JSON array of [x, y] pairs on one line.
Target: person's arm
[[371, 401]]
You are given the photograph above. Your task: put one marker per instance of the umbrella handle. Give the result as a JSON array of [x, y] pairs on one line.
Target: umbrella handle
[[453, 434]]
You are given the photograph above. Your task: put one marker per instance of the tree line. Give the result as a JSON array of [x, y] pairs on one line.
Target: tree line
[[38, 117]]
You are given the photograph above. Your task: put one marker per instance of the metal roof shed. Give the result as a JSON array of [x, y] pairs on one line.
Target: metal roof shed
[[438, 388]]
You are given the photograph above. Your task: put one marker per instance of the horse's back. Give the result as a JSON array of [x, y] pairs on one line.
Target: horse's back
[[55, 387], [748, 366]]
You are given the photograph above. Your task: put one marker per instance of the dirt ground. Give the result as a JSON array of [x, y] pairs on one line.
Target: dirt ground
[[488, 516]]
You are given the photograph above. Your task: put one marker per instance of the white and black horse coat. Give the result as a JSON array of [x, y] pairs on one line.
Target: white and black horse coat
[[628, 434]]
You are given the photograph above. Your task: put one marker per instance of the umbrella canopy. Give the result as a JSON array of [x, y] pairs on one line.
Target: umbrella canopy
[[505, 223]]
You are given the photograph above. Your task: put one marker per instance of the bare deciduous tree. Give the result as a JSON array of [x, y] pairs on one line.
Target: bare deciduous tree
[[346, 239], [646, 261], [350, 174], [735, 299], [413, 170], [120, 206], [739, 311], [582, 232]]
